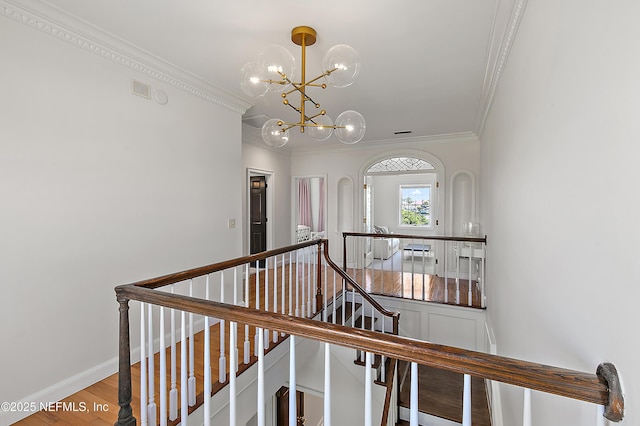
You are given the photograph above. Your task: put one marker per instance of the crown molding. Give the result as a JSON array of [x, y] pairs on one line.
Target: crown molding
[[494, 72], [400, 143], [50, 20]]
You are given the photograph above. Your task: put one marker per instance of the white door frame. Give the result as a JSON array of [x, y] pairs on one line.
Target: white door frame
[[268, 174]]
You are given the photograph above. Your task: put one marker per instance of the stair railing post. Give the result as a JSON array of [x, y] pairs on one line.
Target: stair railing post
[[125, 413]]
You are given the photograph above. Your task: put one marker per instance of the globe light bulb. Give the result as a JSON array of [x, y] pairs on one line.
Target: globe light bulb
[[342, 63], [350, 127], [252, 79], [273, 133], [277, 63], [323, 129]]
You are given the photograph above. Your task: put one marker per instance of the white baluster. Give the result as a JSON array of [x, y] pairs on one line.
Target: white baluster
[[291, 284], [184, 395], [282, 285], [446, 276], [233, 361], [309, 281], [191, 383], [303, 307], [235, 330], [266, 298], [163, 372], [466, 401], [297, 283], [173, 393], [222, 361], [483, 301], [526, 411], [344, 301], [143, 368], [313, 289], [292, 382], [261, 400], [325, 285], [353, 307], [327, 385], [247, 344], [275, 293], [235, 286], [424, 267], [470, 296], [413, 398], [255, 339], [458, 250], [368, 407], [207, 363], [151, 406], [413, 267], [333, 316]]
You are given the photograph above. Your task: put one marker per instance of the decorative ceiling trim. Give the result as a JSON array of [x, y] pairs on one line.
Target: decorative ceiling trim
[[127, 55], [391, 144], [507, 42]]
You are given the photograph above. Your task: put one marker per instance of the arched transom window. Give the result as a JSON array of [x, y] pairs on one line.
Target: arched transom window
[[400, 164]]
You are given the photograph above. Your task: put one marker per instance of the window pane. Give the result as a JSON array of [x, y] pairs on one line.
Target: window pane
[[415, 205]]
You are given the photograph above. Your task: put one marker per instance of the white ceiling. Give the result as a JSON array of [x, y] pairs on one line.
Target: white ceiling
[[426, 64]]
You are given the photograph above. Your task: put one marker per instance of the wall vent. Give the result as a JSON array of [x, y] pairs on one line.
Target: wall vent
[[141, 89]]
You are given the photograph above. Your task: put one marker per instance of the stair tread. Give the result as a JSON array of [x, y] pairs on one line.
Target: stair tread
[[375, 363], [347, 314], [367, 322]]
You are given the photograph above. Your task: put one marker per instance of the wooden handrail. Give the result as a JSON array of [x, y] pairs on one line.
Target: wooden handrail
[[559, 381], [216, 267], [403, 236], [220, 266], [421, 237], [365, 295]]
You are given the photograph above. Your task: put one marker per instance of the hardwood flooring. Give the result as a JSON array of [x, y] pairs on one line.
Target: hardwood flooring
[[425, 287], [97, 404]]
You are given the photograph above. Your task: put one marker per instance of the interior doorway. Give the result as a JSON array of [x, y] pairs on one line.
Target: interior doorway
[[258, 214], [282, 410], [259, 208]]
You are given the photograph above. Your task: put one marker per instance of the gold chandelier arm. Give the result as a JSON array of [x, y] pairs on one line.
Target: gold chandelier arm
[[299, 86]]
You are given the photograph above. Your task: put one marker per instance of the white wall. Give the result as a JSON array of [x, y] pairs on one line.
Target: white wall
[[560, 189], [99, 187], [348, 161]]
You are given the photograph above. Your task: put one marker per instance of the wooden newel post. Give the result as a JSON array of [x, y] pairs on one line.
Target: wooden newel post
[[125, 414]]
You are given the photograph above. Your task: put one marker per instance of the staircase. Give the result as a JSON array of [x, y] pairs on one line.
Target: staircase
[[440, 391]]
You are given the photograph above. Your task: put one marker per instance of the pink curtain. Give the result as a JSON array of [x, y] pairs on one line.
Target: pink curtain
[[321, 206], [304, 203]]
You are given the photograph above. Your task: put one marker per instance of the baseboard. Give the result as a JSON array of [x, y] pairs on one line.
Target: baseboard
[[82, 380], [61, 390]]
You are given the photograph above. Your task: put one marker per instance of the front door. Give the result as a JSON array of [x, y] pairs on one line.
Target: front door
[[258, 214]]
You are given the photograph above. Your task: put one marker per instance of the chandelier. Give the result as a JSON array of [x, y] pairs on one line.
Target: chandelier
[[273, 72]]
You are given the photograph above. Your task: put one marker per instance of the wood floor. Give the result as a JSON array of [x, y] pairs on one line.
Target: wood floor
[[97, 404], [425, 287]]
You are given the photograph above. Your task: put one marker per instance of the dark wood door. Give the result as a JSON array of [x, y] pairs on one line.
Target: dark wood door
[[258, 214], [282, 415]]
